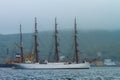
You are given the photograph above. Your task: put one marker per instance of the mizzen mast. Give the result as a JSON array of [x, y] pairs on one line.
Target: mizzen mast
[[56, 43], [36, 42], [75, 42], [21, 45]]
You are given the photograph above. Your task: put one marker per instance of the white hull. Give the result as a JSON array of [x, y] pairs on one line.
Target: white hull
[[85, 65]]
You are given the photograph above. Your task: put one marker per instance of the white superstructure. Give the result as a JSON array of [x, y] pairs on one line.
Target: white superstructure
[[109, 62]]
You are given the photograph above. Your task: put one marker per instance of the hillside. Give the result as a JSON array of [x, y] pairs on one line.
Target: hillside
[[90, 42]]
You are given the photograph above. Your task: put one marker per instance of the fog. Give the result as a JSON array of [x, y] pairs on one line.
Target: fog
[[90, 15]]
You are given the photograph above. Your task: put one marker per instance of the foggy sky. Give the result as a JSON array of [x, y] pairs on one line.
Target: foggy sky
[[90, 14]]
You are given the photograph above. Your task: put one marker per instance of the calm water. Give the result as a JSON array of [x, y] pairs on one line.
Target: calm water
[[95, 73]]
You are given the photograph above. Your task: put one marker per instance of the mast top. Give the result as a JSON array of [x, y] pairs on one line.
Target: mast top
[[35, 24], [56, 23], [20, 28], [75, 25]]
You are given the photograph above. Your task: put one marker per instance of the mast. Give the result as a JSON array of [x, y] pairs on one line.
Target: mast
[[56, 43], [21, 45], [76, 44], [7, 57], [36, 43]]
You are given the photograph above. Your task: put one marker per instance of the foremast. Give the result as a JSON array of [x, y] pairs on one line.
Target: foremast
[[36, 42], [75, 42], [56, 43], [21, 46]]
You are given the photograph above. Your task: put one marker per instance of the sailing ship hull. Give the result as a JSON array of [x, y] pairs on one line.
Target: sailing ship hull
[[85, 65]]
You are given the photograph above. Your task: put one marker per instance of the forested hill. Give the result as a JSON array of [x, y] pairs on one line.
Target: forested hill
[[89, 42]]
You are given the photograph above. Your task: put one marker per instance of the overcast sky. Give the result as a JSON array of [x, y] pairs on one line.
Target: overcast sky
[[90, 14]]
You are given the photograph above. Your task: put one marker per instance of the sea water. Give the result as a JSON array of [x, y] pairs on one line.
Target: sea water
[[95, 73]]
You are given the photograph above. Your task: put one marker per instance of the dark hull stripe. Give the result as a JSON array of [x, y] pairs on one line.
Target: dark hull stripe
[[47, 68]]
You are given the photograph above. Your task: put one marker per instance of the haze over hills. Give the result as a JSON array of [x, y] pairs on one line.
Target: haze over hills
[[90, 43]]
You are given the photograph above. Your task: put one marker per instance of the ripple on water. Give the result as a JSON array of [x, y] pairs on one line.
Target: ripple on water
[[90, 74]]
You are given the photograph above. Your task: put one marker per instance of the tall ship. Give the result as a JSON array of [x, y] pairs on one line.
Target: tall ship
[[56, 64]]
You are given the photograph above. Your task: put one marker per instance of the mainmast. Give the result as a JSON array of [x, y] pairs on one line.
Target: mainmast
[[21, 45], [56, 43], [76, 44], [36, 43]]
